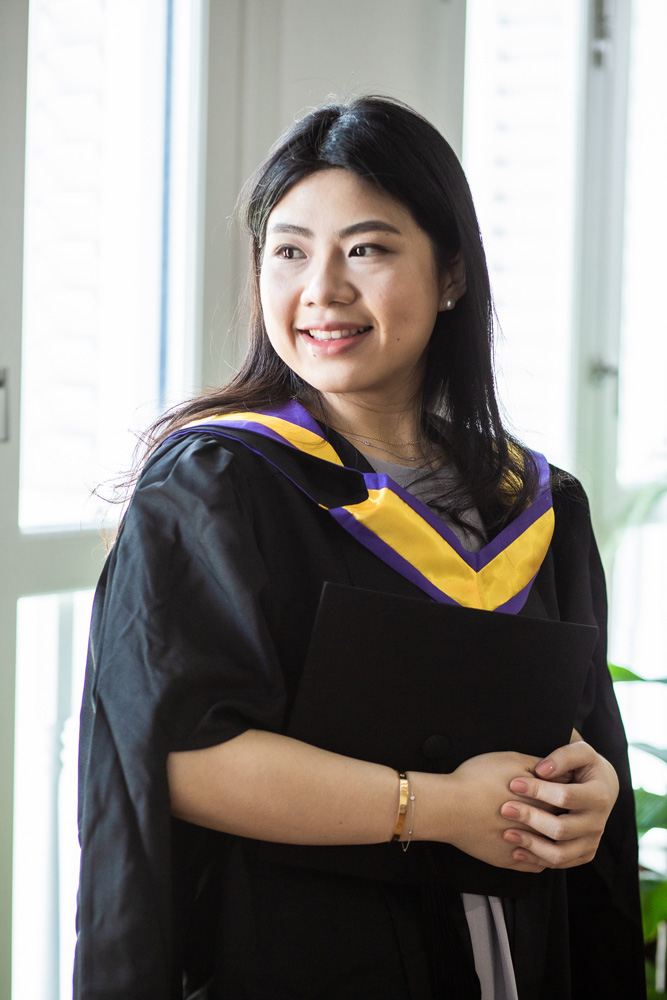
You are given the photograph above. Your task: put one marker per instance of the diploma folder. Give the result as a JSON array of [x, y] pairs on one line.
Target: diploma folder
[[419, 685]]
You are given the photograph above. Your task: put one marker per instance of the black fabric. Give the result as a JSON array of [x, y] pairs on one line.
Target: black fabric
[[424, 686], [200, 629]]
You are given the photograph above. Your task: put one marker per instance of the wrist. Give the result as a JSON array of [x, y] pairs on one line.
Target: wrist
[[434, 810]]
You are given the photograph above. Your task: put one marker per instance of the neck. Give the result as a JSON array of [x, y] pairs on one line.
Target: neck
[[389, 433], [400, 423]]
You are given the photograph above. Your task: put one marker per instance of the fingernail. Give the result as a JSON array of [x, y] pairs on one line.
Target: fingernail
[[545, 767], [519, 856], [510, 811], [513, 836], [519, 785]]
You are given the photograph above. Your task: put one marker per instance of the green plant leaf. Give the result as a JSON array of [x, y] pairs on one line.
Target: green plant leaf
[[655, 751], [651, 810], [654, 907], [623, 674]]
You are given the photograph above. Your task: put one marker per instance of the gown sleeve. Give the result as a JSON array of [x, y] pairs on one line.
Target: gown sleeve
[[604, 893], [180, 658]]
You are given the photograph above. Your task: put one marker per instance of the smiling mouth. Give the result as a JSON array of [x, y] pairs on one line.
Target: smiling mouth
[[335, 334]]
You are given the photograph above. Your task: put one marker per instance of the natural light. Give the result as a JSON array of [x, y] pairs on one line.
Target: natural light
[[110, 335]]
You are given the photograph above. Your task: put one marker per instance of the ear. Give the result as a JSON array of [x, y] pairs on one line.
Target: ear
[[452, 284]]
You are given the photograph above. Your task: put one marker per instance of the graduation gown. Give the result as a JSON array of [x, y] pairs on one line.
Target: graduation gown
[[200, 630]]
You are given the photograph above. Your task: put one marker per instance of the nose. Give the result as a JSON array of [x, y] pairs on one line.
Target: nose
[[327, 282]]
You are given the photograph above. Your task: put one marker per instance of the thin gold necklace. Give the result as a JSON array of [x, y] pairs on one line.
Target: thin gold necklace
[[401, 458], [368, 441]]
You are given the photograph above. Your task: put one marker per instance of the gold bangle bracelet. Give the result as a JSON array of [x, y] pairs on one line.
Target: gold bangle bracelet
[[403, 792]]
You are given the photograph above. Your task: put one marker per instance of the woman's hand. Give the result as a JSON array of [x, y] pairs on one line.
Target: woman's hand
[[571, 794], [466, 807]]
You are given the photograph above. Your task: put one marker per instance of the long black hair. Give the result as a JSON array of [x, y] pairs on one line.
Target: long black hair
[[388, 144]]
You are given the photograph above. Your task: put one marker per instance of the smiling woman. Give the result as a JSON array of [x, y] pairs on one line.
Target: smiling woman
[[353, 319], [360, 449]]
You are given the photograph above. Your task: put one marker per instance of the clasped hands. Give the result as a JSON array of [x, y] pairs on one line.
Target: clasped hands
[[556, 816], [561, 808]]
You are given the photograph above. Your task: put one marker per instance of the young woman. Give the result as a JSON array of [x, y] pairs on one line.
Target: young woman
[[224, 855]]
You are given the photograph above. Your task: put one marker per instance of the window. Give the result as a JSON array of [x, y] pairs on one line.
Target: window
[[639, 636], [108, 243], [52, 637], [564, 155], [109, 312], [642, 440]]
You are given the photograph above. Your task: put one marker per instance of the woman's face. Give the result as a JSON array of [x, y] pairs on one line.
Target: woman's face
[[350, 289]]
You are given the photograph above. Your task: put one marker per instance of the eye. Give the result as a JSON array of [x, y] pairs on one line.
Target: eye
[[289, 253], [366, 250]]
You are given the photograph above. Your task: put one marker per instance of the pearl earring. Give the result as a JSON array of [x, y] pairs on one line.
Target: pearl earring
[[450, 303]]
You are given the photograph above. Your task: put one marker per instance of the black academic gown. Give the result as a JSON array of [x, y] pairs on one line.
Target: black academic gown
[[200, 629]]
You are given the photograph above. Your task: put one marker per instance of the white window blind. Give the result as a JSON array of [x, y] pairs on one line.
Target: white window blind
[[520, 148], [112, 166], [642, 445]]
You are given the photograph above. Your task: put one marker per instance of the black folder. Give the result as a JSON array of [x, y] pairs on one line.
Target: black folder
[[423, 686]]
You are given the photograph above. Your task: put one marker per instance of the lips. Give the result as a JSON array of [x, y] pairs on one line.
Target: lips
[[334, 334]]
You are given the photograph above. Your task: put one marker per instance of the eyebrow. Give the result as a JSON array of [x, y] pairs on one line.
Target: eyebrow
[[367, 226]]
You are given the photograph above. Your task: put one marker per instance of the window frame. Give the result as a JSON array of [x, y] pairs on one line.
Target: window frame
[[598, 262]]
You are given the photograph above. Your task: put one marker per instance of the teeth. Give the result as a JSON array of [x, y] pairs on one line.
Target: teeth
[[335, 334]]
